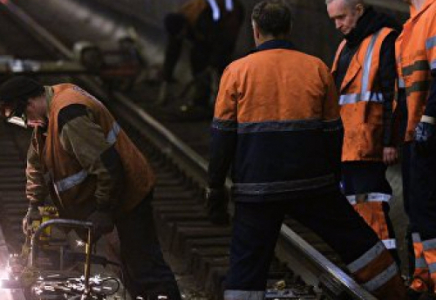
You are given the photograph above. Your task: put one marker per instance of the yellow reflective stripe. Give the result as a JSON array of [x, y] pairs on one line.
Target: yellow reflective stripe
[[367, 257], [381, 278]]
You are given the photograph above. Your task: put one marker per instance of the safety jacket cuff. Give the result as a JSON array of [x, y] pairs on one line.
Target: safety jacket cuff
[[428, 119]]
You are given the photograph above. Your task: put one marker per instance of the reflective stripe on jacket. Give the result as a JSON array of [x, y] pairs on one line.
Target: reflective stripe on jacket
[[361, 101], [75, 183], [416, 58]]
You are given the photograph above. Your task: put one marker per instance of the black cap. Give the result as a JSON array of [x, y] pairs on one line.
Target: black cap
[[19, 88]]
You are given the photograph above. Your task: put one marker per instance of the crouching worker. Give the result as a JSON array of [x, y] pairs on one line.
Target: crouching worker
[[92, 171], [277, 123]]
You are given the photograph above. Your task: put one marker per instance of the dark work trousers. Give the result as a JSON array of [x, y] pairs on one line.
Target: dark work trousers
[[422, 202], [405, 172], [363, 177], [256, 227], [146, 273]]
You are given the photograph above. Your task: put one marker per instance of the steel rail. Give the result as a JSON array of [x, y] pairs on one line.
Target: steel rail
[[318, 268]]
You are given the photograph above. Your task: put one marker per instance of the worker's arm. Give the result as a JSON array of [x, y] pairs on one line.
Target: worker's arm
[[223, 131], [425, 134], [332, 124], [36, 186], [84, 139], [388, 77], [222, 148]]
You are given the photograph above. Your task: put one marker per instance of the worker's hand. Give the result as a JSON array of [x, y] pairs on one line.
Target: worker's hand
[[390, 155], [425, 140], [216, 203], [32, 215], [103, 223]]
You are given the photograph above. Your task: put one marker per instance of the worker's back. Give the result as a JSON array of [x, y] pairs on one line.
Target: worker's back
[[283, 99]]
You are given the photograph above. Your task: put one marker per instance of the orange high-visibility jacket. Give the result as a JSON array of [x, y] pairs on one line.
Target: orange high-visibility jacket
[[416, 57], [275, 111], [73, 186], [361, 101]]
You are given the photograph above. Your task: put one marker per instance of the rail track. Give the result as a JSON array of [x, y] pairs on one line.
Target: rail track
[[198, 248]]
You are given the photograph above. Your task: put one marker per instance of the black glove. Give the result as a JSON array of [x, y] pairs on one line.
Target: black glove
[[425, 138], [103, 223], [31, 216], [216, 203]]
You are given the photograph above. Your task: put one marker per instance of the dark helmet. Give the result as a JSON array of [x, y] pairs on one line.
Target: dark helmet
[[15, 92]]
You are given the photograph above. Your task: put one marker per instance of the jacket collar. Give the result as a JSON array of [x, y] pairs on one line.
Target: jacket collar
[[275, 44], [414, 13]]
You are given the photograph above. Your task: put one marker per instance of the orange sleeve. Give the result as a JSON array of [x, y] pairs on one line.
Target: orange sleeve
[[430, 43], [227, 99], [331, 103]]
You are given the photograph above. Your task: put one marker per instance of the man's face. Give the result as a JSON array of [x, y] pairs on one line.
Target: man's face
[[36, 112], [344, 16]]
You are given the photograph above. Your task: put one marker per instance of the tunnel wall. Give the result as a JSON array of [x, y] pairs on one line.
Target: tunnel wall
[[313, 32]]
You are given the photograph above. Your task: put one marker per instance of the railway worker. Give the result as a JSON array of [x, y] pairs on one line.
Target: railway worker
[[212, 27], [416, 60], [365, 74], [277, 123], [92, 171]]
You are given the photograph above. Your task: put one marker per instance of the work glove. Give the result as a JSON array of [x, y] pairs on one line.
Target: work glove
[[425, 139], [31, 216], [217, 200], [103, 223]]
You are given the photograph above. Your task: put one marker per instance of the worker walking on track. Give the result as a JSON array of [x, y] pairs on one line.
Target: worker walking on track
[[416, 59], [365, 75], [80, 156], [212, 27], [277, 123]]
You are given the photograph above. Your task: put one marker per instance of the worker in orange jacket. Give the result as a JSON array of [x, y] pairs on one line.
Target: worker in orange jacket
[[83, 159], [212, 26], [365, 73], [416, 60], [277, 125]]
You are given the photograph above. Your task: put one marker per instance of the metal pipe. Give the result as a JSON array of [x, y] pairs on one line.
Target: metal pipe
[[67, 223]]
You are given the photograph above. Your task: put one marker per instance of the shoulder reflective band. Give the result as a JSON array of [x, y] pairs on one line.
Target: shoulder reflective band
[[79, 177], [365, 93]]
